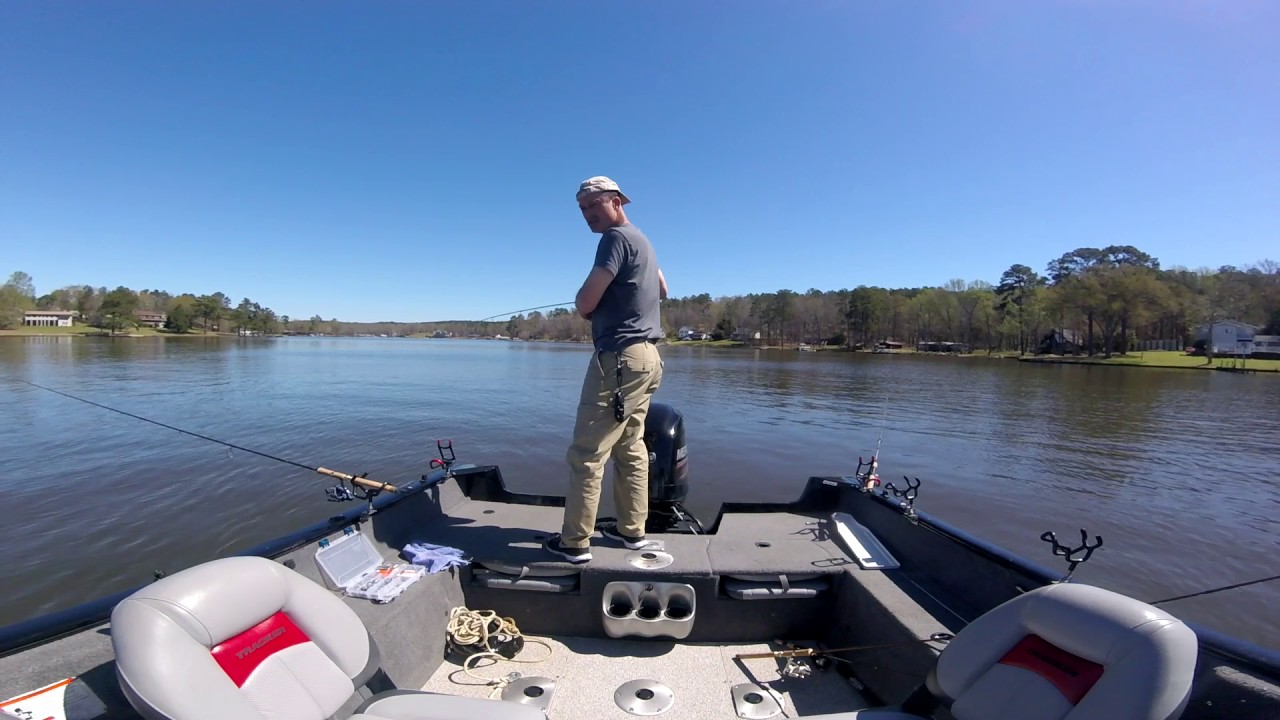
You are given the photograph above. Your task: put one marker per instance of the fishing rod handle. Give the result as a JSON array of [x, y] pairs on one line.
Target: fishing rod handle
[[801, 652], [373, 484]]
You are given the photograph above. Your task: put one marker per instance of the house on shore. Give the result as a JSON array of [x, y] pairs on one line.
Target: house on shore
[[1062, 342], [150, 319], [1229, 337], [49, 318], [1266, 347], [942, 347]]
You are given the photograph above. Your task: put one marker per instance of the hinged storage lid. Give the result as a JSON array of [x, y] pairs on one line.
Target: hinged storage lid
[[348, 558]]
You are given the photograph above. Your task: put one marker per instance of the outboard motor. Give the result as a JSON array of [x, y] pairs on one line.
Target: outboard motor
[[668, 469]]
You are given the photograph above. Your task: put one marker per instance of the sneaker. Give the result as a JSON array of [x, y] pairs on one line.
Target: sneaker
[[573, 555], [631, 543]]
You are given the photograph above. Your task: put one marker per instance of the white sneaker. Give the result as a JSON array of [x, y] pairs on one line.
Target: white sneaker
[[631, 543]]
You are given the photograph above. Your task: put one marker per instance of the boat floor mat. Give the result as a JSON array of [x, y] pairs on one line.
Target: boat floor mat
[[702, 677]]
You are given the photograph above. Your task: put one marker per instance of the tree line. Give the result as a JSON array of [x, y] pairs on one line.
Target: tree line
[[117, 310], [1089, 300]]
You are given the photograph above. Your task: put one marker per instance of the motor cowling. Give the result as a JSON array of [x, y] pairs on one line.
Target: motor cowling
[[668, 456]]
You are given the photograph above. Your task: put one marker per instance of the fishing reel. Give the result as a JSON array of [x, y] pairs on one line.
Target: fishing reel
[[342, 493], [796, 668]]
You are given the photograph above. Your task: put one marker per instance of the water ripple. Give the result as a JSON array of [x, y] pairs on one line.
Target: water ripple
[[1176, 469]]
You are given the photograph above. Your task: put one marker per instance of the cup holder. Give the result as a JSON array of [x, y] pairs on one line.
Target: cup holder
[[678, 608], [620, 605], [648, 609]]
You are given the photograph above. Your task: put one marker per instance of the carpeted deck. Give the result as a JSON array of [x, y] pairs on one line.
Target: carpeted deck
[[502, 535], [588, 671]]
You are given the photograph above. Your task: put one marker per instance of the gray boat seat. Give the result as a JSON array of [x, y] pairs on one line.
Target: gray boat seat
[[246, 637], [1063, 652]]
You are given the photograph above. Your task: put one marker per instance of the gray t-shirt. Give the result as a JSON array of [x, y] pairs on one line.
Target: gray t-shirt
[[628, 312]]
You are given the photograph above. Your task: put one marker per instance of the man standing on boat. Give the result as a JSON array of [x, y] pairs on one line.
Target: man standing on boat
[[621, 299]]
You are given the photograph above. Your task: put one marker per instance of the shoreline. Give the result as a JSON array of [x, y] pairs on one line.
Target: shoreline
[[1152, 359], [78, 333], [1226, 364]]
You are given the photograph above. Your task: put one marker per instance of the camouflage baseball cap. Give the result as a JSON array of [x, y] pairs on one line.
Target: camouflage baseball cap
[[600, 183]]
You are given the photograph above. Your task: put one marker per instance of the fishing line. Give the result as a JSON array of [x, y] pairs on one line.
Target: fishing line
[[517, 312], [170, 427], [1217, 589], [355, 480]]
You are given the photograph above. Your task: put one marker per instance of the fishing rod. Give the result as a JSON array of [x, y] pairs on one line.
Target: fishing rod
[[517, 312], [884, 420], [810, 652], [871, 479], [374, 485]]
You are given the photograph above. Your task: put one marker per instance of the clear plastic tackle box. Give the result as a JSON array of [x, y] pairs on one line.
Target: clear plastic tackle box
[[354, 565]]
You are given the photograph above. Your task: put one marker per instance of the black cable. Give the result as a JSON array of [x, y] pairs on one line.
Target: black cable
[[170, 427], [680, 506]]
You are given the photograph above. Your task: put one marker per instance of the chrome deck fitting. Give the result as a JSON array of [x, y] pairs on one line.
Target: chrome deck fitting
[[754, 702], [649, 559], [535, 691], [644, 697]]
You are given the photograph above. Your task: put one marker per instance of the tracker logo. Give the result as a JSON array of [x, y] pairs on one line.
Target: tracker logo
[[260, 642], [1054, 662]]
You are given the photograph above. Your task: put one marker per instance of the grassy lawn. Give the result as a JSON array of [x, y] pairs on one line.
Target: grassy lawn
[[1166, 359], [707, 343], [73, 330], [86, 330]]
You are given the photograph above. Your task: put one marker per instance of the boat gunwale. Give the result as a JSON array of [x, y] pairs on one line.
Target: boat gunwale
[[1256, 657], [816, 496], [43, 629]]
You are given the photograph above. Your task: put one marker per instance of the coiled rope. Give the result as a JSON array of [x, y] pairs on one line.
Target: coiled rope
[[483, 628]]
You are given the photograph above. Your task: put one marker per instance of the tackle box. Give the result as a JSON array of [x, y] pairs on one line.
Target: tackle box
[[354, 565]]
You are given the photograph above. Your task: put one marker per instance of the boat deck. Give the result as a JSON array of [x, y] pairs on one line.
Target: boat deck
[[588, 671], [503, 535]]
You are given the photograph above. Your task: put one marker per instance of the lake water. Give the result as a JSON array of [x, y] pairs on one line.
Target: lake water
[[1176, 470]]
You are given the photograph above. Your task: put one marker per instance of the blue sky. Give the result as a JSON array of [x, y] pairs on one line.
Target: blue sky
[[417, 160]]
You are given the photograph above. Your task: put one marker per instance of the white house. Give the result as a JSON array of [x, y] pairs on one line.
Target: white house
[[49, 318], [1266, 345], [1229, 337]]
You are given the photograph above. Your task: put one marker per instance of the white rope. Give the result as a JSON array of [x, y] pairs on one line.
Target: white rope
[[485, 629]]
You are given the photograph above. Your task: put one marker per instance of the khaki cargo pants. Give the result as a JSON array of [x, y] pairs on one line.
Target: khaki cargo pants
[[597, 435]]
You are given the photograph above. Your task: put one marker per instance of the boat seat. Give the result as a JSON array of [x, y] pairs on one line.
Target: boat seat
[[246, 637], [1062, 652]]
